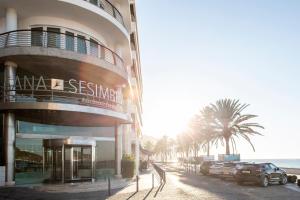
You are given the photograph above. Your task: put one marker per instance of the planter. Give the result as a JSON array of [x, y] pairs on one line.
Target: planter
[[127, 168]]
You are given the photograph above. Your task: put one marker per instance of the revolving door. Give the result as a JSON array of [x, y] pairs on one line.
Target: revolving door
[[69, 160]]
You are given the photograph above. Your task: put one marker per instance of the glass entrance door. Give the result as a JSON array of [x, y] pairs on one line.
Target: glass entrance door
[[78, 163], [82, 162], [53, 163], [68, 162]]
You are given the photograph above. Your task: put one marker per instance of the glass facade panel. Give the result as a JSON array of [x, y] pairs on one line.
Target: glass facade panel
[[37, 36], [95, 2], [94, 47], [69, 41], [81, 45], [45, 129], [105, 159], [29, 161], [53, 37]]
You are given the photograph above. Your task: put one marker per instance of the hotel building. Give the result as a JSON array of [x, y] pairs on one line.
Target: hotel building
[[71, 89]]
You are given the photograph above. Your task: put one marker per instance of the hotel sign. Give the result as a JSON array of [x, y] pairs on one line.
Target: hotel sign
[[87, 92]]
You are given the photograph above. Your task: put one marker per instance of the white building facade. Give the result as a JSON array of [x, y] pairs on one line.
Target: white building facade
[[71, 89]]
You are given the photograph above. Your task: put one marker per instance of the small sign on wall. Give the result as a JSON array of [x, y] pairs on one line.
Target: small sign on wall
[[57, 84]]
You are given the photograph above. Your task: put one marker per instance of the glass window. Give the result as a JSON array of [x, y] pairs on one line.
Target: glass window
[[95, 2], [45, 129], [69, 41], [29, 161], [37, 36], [272, 166], [81, 45], [105, 162], [53, 37], [94, 47]]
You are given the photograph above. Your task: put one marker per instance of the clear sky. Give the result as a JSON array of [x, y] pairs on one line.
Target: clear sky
[[195, 52]]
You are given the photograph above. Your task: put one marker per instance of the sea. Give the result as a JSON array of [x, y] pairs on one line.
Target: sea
[[285, 163]]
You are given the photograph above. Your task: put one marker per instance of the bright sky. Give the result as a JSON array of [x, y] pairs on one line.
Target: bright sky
[[195, 52]]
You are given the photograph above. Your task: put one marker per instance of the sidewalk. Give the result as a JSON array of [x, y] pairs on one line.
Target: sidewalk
[[99, 185]]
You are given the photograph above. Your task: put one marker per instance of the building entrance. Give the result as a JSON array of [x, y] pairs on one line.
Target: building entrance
[[69, 160]]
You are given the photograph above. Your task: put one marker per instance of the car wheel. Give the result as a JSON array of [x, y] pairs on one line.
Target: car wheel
[[264, 181], [283, 180]]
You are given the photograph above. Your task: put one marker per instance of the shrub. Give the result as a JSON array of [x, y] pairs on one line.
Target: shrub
[[127, 166], [144, 165]]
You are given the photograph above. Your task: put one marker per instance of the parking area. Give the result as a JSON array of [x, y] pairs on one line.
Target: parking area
[[207, 187]]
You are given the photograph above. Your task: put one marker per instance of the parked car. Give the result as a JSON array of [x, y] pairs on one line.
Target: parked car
[[204, 167], [230, 169], [216, 169], [263, 174]]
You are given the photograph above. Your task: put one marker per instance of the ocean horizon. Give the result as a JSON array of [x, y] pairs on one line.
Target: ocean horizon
[[285, 163]]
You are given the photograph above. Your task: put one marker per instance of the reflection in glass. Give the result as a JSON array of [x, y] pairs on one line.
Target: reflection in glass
[[29, 161]]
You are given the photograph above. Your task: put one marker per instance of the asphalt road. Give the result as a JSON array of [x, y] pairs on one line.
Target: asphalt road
[[204, 187], [180, 185]]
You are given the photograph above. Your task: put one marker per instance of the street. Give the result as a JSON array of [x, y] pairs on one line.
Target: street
[[180, 185]]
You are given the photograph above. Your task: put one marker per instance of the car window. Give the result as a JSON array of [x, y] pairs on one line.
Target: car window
[[267, 167], [272, 166]]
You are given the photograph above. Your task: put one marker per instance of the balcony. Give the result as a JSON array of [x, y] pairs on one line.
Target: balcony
[[108, 8], [40, 101], [77, 53]]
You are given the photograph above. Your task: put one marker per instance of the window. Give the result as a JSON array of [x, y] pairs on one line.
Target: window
[[53, 37], [272, 166], [69, 41], [95, 2], [81, 45], [37, 36], [94, 47]]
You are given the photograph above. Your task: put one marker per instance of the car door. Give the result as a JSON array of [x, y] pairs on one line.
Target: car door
[[274, 172]]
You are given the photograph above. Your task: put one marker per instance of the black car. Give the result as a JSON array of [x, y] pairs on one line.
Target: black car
[[204, 167], [263, 174]]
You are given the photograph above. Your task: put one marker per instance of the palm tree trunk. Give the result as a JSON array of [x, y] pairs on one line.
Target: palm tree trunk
[[227, 146]]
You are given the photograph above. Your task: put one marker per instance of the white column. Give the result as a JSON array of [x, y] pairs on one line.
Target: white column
[[11, 19], [118, 149], [9, 81], [137, 154], [127, 139], [9, 123], [11, 22]]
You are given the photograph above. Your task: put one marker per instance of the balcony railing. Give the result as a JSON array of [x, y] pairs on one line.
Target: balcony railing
[[64, 41], [109, 8], [47, 94]]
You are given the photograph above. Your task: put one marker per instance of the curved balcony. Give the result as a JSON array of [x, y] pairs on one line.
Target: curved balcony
[[108, 8], [43, 104], [65, 46]]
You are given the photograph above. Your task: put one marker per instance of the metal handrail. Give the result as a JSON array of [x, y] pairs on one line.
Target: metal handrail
[[28, 95], [64, 41], [160, 171], [109, 8]]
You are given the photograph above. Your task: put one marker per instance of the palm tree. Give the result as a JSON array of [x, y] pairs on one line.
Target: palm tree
[[208, 129], [162, 148], [230, 123], [203, 128]]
